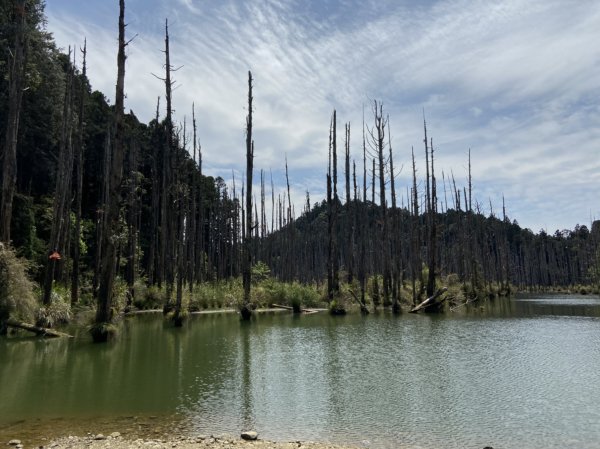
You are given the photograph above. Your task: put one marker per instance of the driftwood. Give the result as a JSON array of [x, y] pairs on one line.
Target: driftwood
[[41, 331], [305, 311], [430, 301]]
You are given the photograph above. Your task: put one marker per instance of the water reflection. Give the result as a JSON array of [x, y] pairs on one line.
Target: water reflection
[[532, 305], [515, 374]]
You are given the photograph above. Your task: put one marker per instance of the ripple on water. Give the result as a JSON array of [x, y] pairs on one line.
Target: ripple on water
[[379, 381]]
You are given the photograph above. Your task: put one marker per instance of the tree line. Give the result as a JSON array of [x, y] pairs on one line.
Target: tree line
[[91, 194]]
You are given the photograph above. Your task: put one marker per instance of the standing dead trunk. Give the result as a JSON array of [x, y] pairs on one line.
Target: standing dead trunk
[[432, 232], [155, 234], [245, 309], [332, 212], [349, 212], [16, 75], [168, 217], [378, 136], [415, 236], [79, 180], [62, 193], [395, 257], [101, 330], [132, 219]]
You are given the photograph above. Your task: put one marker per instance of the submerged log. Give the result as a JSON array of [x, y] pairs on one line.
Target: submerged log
[[432, 300], [41, 331], [305, 311]]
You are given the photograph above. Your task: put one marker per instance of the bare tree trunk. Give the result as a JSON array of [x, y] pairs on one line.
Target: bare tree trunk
[[132, 229], [62, 193], [178, 316], [101, 214], [432, 231], [396, 257], [79, 180], [154, 242], [416, 243], [335, 259], [192, 222], [329, 220], [245, 310], [100, 332], [379, 141], [16, 74], [168, 229]]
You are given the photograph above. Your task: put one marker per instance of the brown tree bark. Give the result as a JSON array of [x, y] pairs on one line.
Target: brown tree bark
[[62, 192], [79, 179], [100, 331], [16, 75], [245, 310]]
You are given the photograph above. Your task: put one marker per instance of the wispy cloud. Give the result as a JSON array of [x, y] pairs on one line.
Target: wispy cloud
[[517, 82]]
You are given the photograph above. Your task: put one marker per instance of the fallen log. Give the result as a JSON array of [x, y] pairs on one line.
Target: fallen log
[[363, 306], [279, 306], [305, 311], [430, 301], [41, 331]]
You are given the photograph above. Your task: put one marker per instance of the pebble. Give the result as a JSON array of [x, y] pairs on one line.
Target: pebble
[[99, 437], [115, 435]]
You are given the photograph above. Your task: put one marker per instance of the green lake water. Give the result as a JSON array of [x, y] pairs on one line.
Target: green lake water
[[521, 373]]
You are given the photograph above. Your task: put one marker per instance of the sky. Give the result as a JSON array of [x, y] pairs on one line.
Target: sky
[[515, 82]]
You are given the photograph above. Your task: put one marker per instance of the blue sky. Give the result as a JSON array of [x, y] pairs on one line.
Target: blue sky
[[517, 82]]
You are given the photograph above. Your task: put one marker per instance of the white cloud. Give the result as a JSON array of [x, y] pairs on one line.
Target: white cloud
[[515, 81]]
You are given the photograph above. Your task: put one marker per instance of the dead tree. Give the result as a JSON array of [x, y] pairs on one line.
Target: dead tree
[[132, 221], [16, 76], [192, 223], [178, 315], [79, 178], [396, 257], [432, 231], [101, 331], [378, 145], [62, 192], [154, 171], [415, 236], [333, 286], [167, 244], [245, 310], [349, 211]]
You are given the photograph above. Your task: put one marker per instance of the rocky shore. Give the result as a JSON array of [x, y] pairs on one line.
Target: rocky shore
[[116, 441]]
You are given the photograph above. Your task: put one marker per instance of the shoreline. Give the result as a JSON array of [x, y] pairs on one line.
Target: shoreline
[[117, 441]]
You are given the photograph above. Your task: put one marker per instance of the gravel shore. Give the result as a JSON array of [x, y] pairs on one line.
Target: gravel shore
[[116, 441]]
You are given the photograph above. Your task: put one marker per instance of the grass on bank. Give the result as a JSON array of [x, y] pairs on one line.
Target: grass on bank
[[19, 296]]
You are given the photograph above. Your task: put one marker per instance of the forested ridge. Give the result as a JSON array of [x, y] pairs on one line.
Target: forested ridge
[[93, 199]]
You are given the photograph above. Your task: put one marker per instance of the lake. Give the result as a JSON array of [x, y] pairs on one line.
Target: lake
[[521, 373]]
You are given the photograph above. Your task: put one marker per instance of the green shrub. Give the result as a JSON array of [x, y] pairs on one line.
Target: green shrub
[[57, 312], [147, 298], [260, 272], [17, 298]]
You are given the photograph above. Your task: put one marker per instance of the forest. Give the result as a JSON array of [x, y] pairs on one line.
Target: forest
[[103, 213]]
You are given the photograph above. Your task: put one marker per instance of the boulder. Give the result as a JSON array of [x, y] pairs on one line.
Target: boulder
[[249, 435]]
